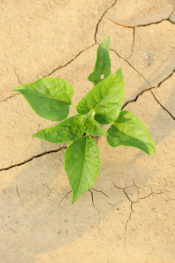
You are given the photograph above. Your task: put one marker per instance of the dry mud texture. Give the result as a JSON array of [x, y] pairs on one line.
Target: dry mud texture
[[129, 215]]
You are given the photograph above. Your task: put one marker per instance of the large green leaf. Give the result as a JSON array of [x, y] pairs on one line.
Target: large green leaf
[[49, 97], [82, 164], [128, 130], [66, 131], [92, 127], [103, 63], [106, 99]]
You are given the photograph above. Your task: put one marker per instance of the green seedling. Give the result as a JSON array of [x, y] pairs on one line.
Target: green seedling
[[51, 99]]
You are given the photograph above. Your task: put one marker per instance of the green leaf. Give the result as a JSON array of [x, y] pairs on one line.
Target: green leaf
[[103, 63], [66, 131], [82, 164], [92, 127], [49, 97], [128, 130], [106, 99]]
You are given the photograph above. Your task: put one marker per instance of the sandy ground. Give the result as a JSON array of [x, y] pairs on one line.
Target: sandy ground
[[129, 215]]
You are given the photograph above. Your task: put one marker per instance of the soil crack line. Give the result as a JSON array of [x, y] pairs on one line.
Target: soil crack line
[[166, 78], [9, 97], [148, 89], [92, 198], [47, 187], [17, 75], [102, 16], [136, 70], [131, 209], [94, 206], [15, 94], [65, 196], [100, 191], [150, 194], [133, 43], [136, 98], [140, 25], [169, 18], [163, 107], [132, 203], [70, 61], [32, 158], [17, 191], [50, 73]]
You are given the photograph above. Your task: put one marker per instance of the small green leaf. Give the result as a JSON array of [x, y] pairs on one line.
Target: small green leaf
[[106, 99], [49, 97], [92, 127], [66, 131], [128, 130], [82, 164], [103, 63]]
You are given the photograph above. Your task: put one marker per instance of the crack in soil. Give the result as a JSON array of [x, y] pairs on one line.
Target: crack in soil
[[166, 78], [100, 191], [32, 158], [148, 89], [94, 206], [17, 191], [133, 43], [142, 25], [15, 94], [9, 97], [102, 16], [163, 107], [65, 196], [47, 187], [169, 18], [171, 21], [92, 198], [136, 70], [70, 61], [132, 203], [17, 75], [131, 209]]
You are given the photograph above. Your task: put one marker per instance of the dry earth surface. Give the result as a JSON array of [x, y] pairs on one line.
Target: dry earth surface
[[129, 215]]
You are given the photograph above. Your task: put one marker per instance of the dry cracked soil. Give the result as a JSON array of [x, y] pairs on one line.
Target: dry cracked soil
[[129, 215]]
